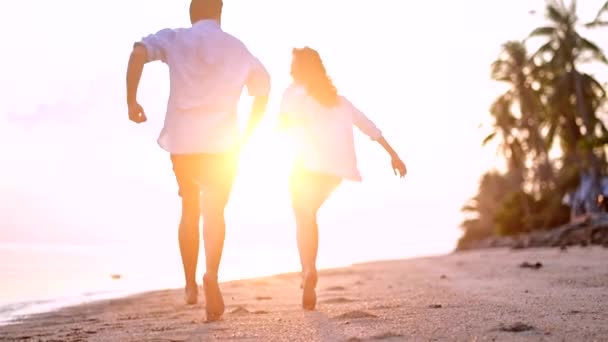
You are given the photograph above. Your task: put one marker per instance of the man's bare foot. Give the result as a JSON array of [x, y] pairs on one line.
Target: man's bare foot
[[191, 294], [309, 295], [214, 302]]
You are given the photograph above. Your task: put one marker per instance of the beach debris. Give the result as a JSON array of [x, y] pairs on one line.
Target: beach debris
[[516, 327], [534, 266], [435, 306], [357, 314], [115, 276]]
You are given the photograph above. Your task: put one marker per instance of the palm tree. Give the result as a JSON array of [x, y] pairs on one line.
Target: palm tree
[[573, 96], [518, 115], [494, 188]]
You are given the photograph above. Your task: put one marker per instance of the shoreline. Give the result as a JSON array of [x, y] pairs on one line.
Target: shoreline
[[15, 311], [481, 294], [18, 311]]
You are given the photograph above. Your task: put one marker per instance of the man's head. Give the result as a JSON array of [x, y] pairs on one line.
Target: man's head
[[205, 9]]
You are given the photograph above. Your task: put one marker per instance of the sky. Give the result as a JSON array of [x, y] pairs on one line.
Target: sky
[[76, 171]]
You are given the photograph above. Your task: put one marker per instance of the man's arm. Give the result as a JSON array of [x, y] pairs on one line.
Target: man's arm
[[258, 109], [149, 49], [258, 85], [139, 57]]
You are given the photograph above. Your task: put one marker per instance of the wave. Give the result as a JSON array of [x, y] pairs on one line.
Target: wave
[[13, 313]]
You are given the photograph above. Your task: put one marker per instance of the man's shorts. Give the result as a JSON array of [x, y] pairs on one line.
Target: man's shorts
[[196, 173]]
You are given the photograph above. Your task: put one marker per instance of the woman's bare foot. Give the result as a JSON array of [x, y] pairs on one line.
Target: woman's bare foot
[[191, 294], [214, 302], [309, 294]]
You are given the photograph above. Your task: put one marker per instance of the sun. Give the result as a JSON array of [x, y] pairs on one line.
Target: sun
[[267, 158]]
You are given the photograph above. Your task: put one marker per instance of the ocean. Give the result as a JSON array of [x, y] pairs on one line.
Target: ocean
[[38, 278]]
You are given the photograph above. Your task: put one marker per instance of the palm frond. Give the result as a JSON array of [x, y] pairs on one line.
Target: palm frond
[[591, 47], [489, 138], [543, 32]]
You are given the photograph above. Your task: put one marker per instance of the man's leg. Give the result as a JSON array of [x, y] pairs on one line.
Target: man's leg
[[186, 168], [221, 170]]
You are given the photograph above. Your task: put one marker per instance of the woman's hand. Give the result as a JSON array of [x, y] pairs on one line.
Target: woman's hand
[[398, 167]]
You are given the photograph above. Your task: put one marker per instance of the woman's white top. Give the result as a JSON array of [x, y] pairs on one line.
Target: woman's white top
[[323, 136]]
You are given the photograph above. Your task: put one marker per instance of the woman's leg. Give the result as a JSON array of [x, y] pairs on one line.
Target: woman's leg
[[309, 191]]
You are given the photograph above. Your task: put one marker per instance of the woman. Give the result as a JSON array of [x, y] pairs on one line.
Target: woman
[[321, 123]]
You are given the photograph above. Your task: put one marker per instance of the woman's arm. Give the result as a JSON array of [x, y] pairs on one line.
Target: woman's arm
[[366, 126], [398, 165]]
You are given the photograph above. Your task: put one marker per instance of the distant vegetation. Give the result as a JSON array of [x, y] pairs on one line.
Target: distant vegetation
[[549, 128]]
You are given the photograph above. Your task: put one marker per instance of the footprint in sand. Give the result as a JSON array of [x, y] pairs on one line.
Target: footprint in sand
[[335, 288], [239, 310], [357, 314], [162, 329], [534, 266], [386, 307], [386, 336], [339, 300], [515, 327]]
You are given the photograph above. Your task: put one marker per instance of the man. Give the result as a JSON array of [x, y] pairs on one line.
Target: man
[[208, 69]]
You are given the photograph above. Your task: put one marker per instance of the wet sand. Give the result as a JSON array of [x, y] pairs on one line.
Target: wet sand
[[483, 295]]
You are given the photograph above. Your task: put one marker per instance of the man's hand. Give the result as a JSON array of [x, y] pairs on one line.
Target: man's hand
[[398, 167], [136, 113]]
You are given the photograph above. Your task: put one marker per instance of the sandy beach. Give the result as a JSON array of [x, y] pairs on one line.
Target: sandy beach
[[481, 295]]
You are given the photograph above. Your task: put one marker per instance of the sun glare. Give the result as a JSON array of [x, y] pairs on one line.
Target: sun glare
[[267, 157]]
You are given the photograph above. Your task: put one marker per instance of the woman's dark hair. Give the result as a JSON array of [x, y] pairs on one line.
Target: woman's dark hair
[[308, 70]]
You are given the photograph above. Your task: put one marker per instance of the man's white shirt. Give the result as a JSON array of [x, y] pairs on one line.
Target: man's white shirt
[[208, 69]]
